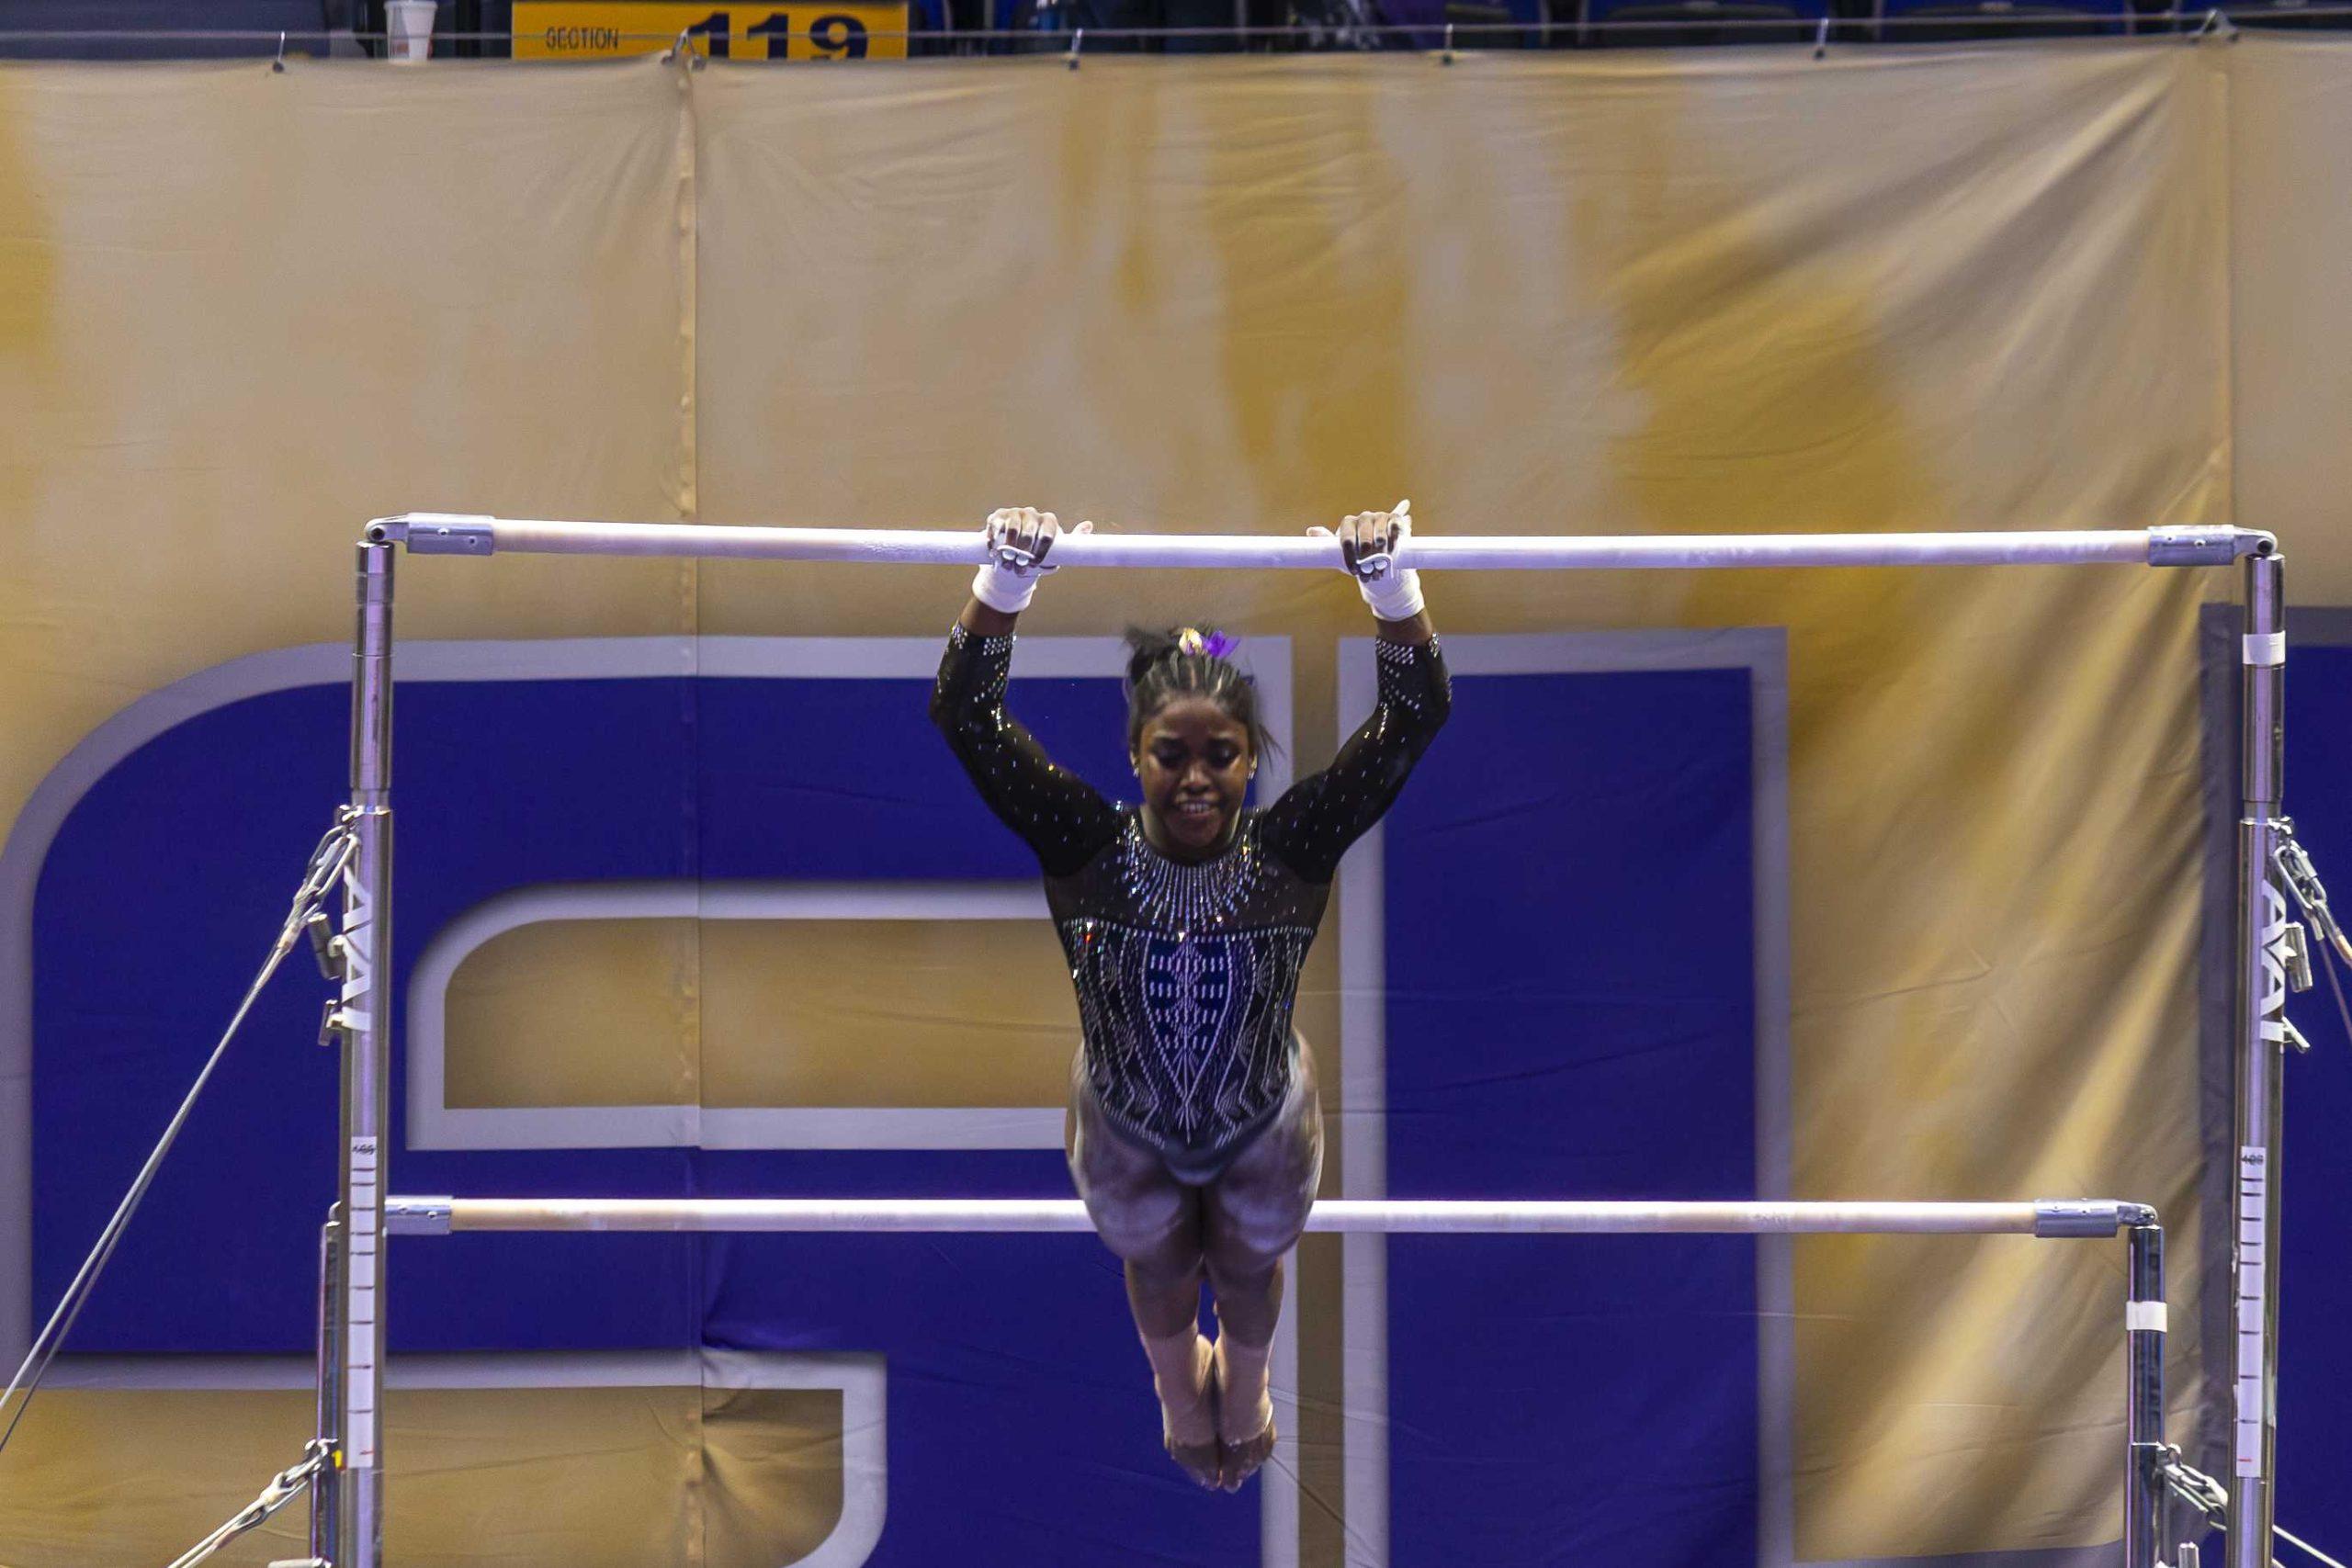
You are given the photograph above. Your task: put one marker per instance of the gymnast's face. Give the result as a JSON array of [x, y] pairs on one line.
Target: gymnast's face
[[1195, 760]]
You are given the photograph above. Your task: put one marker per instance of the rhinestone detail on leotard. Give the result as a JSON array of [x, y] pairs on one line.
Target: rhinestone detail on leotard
[[1186, 975], [1185, 896]]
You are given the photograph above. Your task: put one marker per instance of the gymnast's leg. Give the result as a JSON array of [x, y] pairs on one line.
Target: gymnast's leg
[[1153, 1222], [1253, 1214]]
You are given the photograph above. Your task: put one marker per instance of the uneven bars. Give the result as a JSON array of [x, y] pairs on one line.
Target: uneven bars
[[468, 534], [2040, 1217]]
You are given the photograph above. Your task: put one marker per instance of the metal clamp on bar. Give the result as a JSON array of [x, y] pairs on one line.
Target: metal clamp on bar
[[326, 947], [2295, 954], [417, 1216], [2059, 1218], [2295, 869], [437, 532], [2199, 545]]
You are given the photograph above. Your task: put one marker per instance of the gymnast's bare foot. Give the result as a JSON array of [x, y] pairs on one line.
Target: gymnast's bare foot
[[1188, 1410], [1245, 1407]]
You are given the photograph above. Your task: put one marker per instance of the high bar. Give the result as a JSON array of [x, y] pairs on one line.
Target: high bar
[[469, 534], [2042, 1217]]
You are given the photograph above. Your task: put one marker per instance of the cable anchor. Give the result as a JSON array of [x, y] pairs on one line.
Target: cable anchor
[[318, 1455], [2295, 869], [2194, 1487]]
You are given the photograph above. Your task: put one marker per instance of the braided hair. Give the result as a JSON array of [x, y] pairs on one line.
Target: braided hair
[[1188, 661]]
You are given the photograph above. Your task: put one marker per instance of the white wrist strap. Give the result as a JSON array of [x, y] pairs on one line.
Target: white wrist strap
[[1003, 590], [1394, 597]]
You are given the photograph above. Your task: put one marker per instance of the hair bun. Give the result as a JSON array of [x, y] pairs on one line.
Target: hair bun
[[1145, 649]]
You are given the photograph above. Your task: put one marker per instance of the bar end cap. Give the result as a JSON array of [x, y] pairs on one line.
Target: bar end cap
[[436, 532]]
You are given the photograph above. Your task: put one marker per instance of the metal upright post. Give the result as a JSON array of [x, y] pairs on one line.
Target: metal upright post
[[365, 1019], [2143, 1323], [329, 1427], [2262, 926]]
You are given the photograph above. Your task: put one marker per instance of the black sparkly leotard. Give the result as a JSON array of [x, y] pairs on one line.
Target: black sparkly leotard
[[1186, 972]]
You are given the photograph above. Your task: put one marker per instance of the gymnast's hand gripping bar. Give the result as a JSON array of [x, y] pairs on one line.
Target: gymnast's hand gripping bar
[[466, 533], [2047, 1217]]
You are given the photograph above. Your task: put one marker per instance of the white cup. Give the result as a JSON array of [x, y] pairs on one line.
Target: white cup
[[410, 25]]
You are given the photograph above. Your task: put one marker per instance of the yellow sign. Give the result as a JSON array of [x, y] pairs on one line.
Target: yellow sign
[[558, 29]]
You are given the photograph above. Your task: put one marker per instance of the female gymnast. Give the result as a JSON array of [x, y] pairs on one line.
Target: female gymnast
[[1194, 1134]]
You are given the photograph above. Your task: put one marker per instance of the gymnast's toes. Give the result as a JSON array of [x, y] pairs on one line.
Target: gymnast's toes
[[1205, 1463], [1237, 1462]]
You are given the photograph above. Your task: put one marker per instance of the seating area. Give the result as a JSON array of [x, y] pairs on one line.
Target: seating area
[[156, 29], [134, 30]]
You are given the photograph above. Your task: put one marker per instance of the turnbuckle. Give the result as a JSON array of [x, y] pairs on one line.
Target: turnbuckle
[[2295, 869]]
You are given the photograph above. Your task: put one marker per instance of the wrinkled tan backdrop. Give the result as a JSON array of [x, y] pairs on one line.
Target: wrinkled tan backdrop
[[2041, 287]]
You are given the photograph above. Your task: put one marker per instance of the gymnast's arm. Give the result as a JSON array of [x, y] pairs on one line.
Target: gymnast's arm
[[1057, 814], [1317, 818]]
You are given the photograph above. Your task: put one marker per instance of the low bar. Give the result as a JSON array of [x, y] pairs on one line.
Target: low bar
[[469, 534], [2052, 1218]]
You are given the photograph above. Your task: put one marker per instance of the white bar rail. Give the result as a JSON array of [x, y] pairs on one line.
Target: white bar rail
[[2044, 1217], [468, 534]]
